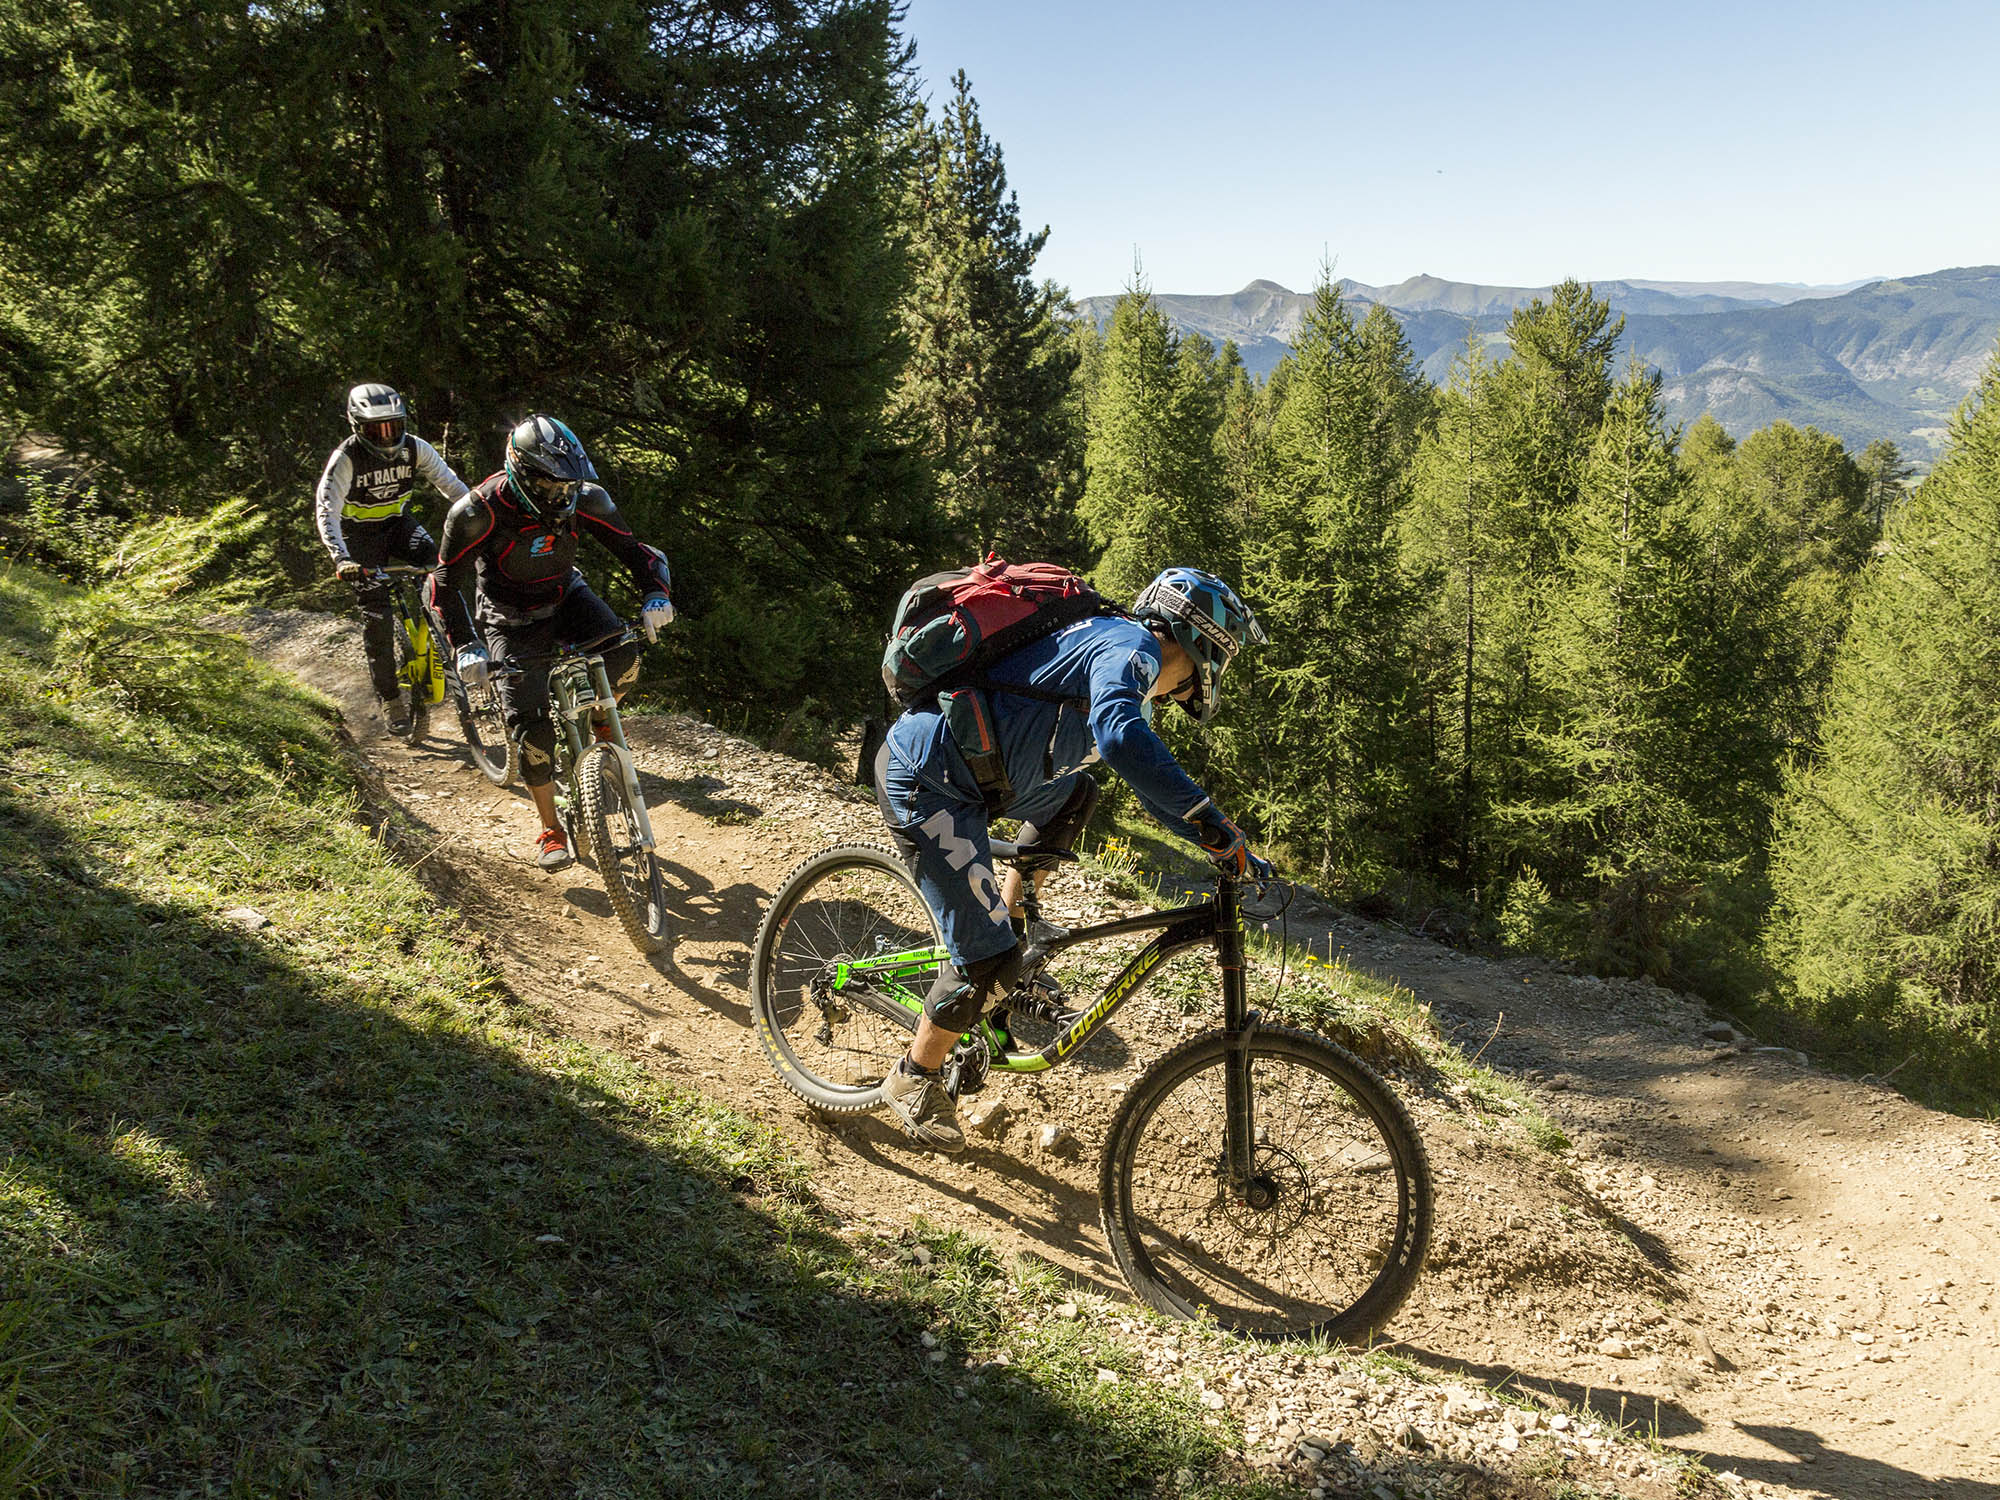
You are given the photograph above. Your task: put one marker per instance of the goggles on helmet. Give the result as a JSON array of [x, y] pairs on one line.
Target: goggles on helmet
[[556, 494]]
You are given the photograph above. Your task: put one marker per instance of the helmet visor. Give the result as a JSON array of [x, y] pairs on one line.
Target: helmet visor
[[551, 493], [383, 434]]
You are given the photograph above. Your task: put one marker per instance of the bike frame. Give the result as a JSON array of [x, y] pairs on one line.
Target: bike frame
[[1217, 922], [422, 633]]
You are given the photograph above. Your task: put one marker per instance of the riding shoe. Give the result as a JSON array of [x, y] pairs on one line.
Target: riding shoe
[[928, 1116], [555, 850], [396, 716]]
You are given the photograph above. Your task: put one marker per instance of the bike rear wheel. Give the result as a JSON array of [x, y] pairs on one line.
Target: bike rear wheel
[[485, 729], [1330, 1236], [630, 871], [832, 1044]]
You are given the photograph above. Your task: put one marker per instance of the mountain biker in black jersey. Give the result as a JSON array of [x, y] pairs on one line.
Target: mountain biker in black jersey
[[1181, 634], [362, 511], [515, 535]]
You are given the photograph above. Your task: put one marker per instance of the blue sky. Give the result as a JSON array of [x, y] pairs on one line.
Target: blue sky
[[1508, 144]]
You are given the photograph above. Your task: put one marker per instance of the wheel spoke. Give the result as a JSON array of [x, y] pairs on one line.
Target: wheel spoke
[[846, 912]]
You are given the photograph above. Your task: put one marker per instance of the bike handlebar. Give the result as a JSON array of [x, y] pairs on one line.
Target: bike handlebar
[[513, 666]]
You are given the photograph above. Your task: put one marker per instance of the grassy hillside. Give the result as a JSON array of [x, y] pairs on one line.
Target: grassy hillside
[[296, 1200]]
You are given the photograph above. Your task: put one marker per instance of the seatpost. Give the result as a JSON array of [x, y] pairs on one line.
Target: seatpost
[[1031, 905]]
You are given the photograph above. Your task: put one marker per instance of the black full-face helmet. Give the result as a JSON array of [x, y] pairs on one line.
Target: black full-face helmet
[[546, 467], [376, 415], [1205, 615]]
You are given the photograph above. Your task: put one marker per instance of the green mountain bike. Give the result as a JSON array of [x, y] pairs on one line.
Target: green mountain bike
[[598, 797], [1259, 1174], [429, 676]]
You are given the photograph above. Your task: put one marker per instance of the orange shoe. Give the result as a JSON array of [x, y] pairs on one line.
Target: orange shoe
[[555, 850], [601, 732]]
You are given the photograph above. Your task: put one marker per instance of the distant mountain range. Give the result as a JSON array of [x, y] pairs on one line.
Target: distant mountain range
[[1889, 358]]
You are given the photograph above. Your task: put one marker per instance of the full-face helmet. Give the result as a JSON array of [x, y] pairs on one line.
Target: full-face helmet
[[1211, 623], [546, 467], [376, 415]]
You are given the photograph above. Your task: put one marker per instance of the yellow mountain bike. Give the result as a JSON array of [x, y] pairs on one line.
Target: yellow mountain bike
[[428, 676]]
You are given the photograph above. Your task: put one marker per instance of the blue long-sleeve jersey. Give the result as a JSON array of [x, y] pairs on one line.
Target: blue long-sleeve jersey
[[1108, 661]]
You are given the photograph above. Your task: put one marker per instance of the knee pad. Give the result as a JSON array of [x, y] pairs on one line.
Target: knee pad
[[538, 754], [957, 1000], [622, 667], [1063, 829]]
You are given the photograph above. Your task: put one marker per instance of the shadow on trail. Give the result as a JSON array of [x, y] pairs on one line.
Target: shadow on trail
[[1810, 1465], [1065, 1225], [698, 795]]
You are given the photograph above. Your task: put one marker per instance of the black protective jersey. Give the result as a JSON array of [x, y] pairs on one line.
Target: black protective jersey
[[523, 568], [359, 487]]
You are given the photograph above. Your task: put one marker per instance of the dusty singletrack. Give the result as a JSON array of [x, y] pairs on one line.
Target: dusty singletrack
[[1787, 1274]]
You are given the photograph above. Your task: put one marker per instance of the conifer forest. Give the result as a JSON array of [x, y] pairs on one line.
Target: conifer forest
[[1545, 671]]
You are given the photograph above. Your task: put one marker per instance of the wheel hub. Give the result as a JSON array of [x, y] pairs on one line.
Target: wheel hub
[[1277, 1196]]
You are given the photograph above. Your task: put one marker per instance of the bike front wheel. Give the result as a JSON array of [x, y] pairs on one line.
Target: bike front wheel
[[485, 729], [617, 834], [1328, 1236], [412, 668], [838, 974]]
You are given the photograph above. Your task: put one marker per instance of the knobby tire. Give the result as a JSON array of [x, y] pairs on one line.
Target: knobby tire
[[414, 704], [632, 882], [850, 902], [1338, 1250], [486, 739]]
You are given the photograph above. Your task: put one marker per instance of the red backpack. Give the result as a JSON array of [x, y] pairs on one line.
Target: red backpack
[[951, 628]]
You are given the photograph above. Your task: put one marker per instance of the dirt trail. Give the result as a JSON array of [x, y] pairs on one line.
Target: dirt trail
[[1789, 1275]]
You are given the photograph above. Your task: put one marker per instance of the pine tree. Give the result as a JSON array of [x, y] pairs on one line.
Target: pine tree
[[1553, 390], [1154, 495], [1888, 890], [1813, 502], [988, 381], [1887, 474], [1660, 652], [1549, 400], [1328, 750], [1455, 548]]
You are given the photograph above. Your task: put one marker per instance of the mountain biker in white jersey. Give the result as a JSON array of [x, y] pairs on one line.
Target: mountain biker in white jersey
[[1182, 632], [361, 509]]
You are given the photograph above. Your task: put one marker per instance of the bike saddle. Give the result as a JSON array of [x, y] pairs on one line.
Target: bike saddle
[[1031, 856]]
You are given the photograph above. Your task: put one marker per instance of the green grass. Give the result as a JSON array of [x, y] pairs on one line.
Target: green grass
[[319, 1209]]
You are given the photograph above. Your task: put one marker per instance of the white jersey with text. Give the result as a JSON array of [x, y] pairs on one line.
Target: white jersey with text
[[360, 486]]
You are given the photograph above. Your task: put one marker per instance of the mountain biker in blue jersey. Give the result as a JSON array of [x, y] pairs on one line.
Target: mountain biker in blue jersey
[[1182, 632]]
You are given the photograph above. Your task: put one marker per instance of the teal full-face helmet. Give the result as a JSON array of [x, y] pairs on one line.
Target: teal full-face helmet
[[1210, 622], [546, 467]]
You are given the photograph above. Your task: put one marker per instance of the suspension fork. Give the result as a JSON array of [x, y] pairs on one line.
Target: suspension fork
[[1239, 1025], [606, 699]]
